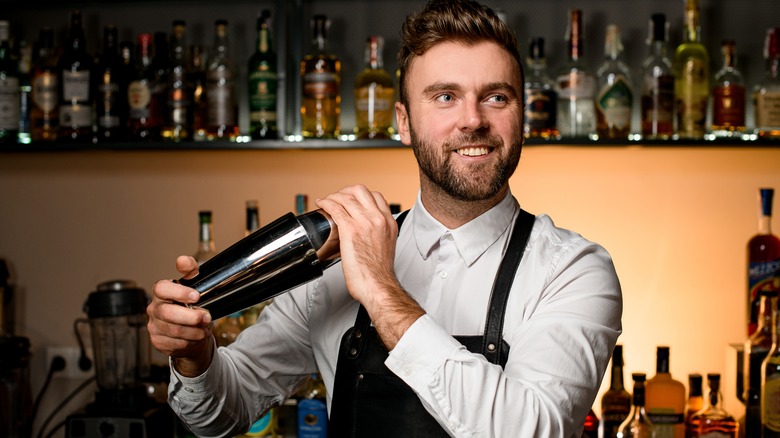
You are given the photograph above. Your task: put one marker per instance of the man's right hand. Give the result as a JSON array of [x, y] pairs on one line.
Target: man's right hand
[[178, 331]]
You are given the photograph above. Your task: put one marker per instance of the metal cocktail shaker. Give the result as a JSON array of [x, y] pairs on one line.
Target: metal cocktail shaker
[[286, 253]]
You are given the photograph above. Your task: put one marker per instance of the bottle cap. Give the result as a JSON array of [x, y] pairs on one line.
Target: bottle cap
[[658, 27], [767, 195]]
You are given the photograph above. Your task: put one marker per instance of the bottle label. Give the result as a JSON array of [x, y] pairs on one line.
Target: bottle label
[[219, 94], [9, 103], [263, 427], [44, 91], [312, 419], [178, 106], [615, 103], [768, 109], [374, 107], [728, 106], [320, 85], [77, 116], [666, 421], [139, 98], [108, 95], [692, 94], [540, 109], [75, 86], [761, 275], [658, 105], [576, 84], [262, 96]]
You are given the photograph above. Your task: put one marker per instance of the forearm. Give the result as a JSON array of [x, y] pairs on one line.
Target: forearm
[[392, 311]]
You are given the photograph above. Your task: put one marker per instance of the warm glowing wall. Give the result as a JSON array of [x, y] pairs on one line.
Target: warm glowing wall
[[675, 220]]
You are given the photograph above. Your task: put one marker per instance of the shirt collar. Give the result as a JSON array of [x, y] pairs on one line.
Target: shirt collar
[[473, 238]]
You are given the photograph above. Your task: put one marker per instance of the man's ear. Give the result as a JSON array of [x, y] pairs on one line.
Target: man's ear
[[402, 119]]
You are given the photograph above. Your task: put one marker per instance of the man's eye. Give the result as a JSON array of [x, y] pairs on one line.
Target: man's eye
[[498, 98], [445, 98]]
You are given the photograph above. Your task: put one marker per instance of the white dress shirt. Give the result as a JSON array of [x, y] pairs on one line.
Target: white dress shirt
[[562, 322]]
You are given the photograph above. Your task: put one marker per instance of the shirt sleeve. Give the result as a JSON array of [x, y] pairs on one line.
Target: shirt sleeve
[[560, 347], [238, 388]]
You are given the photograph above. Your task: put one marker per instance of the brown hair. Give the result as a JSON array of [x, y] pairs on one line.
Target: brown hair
[[464, 21]]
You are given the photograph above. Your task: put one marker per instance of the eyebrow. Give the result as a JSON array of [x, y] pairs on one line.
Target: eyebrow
[[492, 86]]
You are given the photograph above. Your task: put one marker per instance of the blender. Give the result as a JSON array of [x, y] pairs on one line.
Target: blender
[[117, 322]]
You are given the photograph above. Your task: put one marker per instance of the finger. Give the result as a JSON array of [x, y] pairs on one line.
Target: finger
[[170, 313], [168, 290], [187, 266]]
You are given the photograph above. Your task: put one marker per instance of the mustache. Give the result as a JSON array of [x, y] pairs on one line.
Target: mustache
[[474, 138]]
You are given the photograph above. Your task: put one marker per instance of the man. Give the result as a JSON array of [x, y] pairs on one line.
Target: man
[[430, 329]]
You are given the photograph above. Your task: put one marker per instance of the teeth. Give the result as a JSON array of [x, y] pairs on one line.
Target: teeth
[[473, 152]]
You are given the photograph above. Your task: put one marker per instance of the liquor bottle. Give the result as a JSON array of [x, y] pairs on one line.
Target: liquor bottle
[[616, 401], [576, 86], [144, 120], [197, 73], [756, 349], [763, 257], [75, 78], [728, 95], [692, 76], [694, 404], [590, 427], [770, 385], [9, 88], [615, 100], [638, 423], [374, 91], [161, 65], [665, 399], [312, 410], [263, 83], [713, 420], [301, 204], [657, 83], [25, 90], [220, 92], [321, 79], [178, 120], [206, 245], [111, 94], [44, 113], [766, 94], [541, 99]]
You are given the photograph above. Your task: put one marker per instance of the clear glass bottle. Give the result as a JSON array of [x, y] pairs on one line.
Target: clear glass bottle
[[576, 86], [694, 404], [111, 92], [638, 423], [320, 72], [756, 349], [615, 99], [657, 102], [763, 257], [374, 91], [9, 88], [197, 74], [541, 99], [665, 398], [44, 113], [220, 89], [263, 82], [206, 246], [616, 401], [178, 116], [25, 89], [766, 94], [692, 77], [713, 420], [75, 78], [728, 95]]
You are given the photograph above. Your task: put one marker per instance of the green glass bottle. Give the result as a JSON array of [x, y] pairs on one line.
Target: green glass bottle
[[263, 83]]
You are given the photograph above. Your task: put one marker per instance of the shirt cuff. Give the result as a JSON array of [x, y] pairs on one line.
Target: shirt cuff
[[198, 387], [421, 352]]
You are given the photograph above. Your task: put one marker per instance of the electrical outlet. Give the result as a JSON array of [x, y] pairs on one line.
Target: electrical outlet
[[71, 356]]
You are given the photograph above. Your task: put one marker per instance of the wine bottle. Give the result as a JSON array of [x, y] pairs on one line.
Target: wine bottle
[[9, 88], [615, 100], [320, 73], [111, 94], [665, 398], [144, 120], [691, 87], [616, 401], [576, 86], [374, 91], [763, 257], [657, 83], [75, 78], [263, 82], [178, 117]]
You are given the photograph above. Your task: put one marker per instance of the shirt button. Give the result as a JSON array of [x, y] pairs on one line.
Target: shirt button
[[188, 389], [443, 274]]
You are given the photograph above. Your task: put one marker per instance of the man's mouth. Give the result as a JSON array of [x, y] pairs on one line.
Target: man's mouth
[[473, 151]]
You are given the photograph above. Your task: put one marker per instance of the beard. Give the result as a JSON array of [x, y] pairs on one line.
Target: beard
[[481, 181]]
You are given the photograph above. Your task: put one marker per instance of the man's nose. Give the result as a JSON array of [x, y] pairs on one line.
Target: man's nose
[[473, 117]]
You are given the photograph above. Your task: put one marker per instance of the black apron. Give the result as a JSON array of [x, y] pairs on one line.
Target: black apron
[[370, 401]]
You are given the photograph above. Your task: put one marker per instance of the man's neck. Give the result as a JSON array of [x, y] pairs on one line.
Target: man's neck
[[452, 212]]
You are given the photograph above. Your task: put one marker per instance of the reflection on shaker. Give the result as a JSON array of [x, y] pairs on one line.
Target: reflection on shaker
[[286, 253]]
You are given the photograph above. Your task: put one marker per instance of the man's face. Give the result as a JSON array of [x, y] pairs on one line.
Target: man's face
[[464, 118]]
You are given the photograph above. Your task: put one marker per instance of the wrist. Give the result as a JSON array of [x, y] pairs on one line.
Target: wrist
[[194, 366]]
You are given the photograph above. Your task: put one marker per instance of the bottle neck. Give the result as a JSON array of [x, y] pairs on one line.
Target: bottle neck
[[319, 43], [766, 309], [206, 239], [692, 31], [617, 377], [263, 40], [714, 398], [773, 67], [658, 48]]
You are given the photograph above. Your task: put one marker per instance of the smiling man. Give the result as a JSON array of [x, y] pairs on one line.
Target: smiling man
[[473, 319]]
